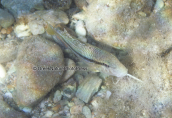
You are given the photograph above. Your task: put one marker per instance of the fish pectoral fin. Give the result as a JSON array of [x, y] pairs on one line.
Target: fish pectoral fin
[[50, 30], [96, 71]]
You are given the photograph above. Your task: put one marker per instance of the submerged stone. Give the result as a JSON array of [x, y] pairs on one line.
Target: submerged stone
[[88, 88], [20, 7], [57, 4], [6, 19], [36, 75], [87, 112], [57, 96], [69, 89]]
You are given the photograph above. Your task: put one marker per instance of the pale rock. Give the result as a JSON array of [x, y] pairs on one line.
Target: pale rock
[[36, 27], [108, 94], [82, 38], [81, 3], [76, 109], [8, 95], [27, 109], [87, 112], [57, 96], [79, 28], [158, 5], [70, 104], [88, 88], [22, 30], [95, 103], [6, 19], [48, 114], [2, 71]]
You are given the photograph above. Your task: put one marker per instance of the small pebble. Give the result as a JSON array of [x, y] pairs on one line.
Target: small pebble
[[95, 103], [27, 109], [3, 31], [6, 19], [8, 36], [42, 105], [158, 5], [9, 30], [36, 27], [142, 14], [80, 29], [57, 96], [69, 90], [70, 104], [81, 3], [66, 109], [2, 71], [22, 30], [76, 109], [87, 112], [63, 102], [56, 115], [7, 95], [49, 105], [48, 114], [56, 108], [77, 101], [108, 94], [2, 36], [34, 117]]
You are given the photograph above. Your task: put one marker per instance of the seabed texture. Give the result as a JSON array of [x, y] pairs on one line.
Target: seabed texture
[[137, 32]]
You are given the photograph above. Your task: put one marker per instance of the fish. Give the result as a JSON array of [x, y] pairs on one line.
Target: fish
[[101, 60]]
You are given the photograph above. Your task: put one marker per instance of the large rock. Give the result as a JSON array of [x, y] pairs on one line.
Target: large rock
[[19, 7], [33, 83], [6, 19]]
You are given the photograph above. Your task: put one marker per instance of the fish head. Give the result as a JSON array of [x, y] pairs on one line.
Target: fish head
[[114, 68]]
